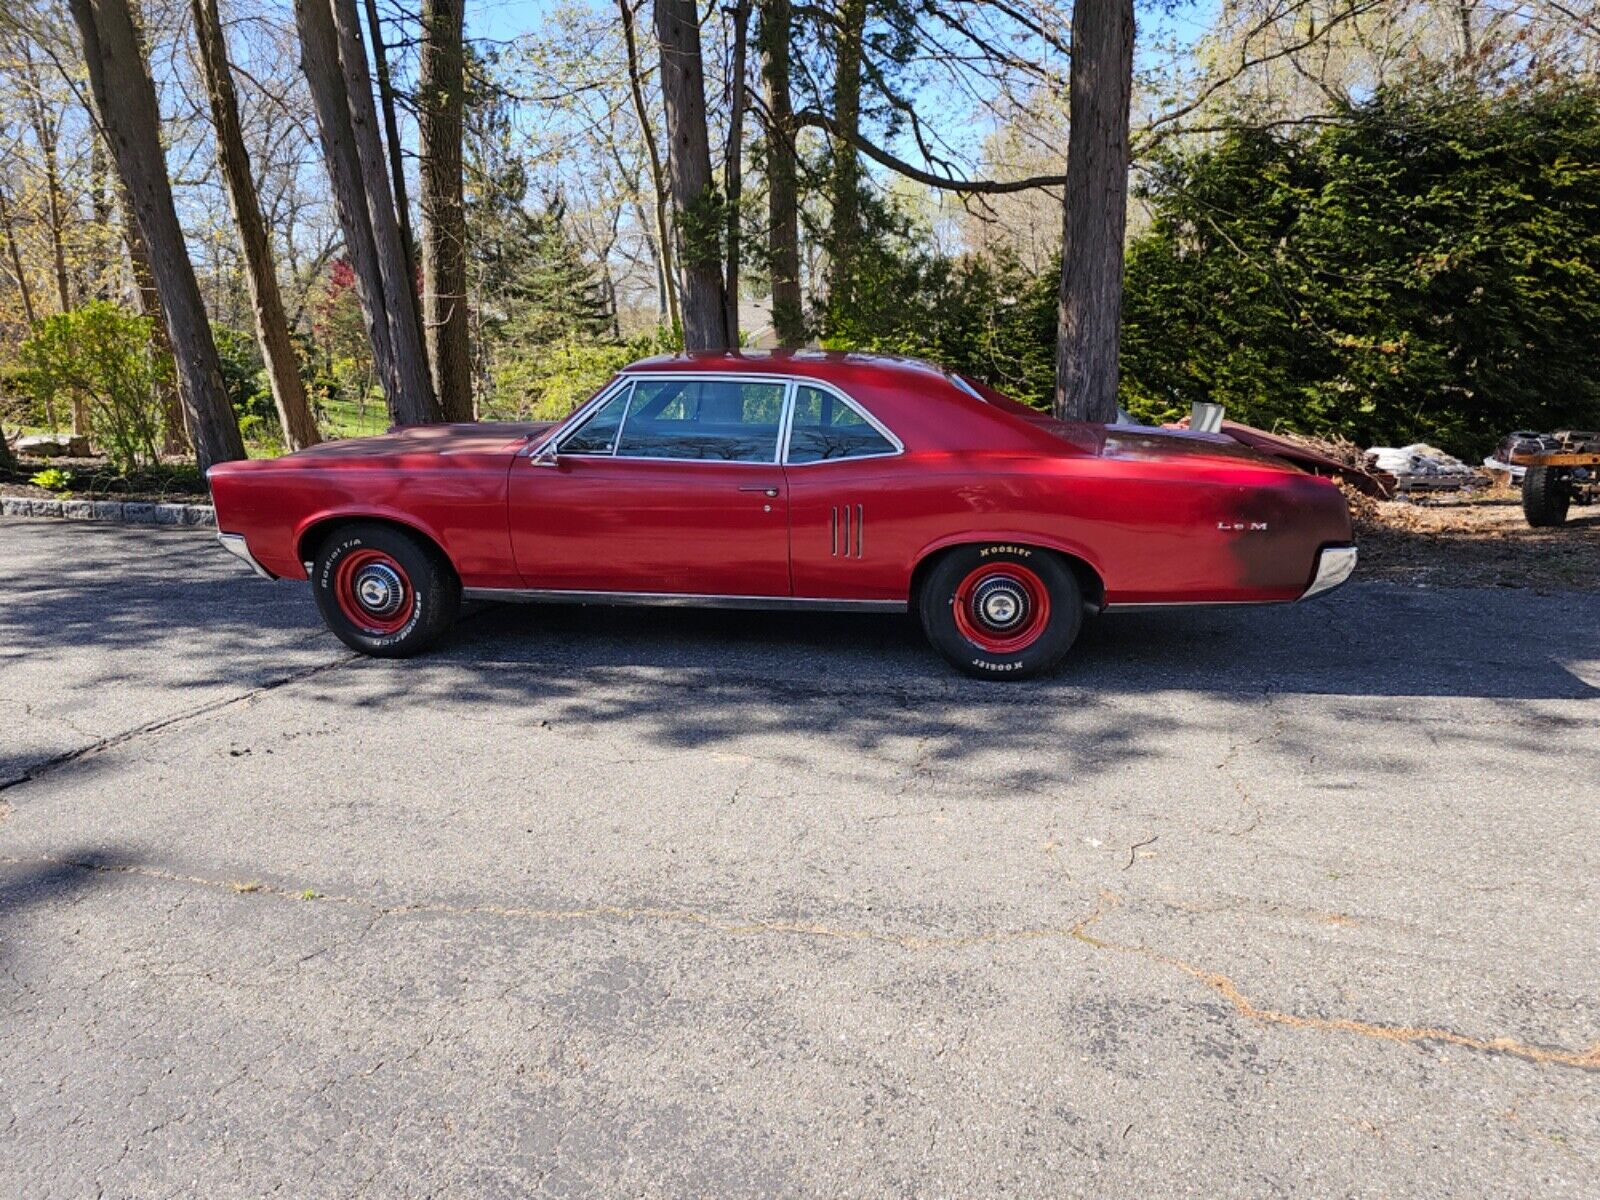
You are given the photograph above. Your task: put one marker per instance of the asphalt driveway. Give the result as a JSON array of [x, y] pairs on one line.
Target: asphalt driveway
[[1296, 901]]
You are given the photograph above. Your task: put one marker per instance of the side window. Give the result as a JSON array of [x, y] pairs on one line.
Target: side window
[[727, 420], [598, 435], [826, 427]]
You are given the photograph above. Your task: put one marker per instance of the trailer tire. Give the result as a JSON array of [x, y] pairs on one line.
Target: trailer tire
[[1546, 496]]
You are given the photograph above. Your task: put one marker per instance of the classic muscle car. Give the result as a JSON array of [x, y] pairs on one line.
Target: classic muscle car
[[789, 480]]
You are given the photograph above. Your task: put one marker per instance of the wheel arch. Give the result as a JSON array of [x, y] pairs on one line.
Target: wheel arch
[[312, 534], [1090, 581]]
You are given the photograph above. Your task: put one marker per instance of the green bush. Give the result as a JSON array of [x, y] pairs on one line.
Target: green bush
[[53, 478], [101, 355], [1426, 270]]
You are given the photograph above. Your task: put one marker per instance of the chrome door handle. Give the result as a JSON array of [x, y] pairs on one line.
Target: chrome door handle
[[770, 492]]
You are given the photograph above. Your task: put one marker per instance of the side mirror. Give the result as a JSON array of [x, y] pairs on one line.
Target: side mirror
[[545, 456]]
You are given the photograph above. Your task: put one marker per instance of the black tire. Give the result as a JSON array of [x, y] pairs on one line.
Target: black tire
[[1546, 496], [399, 593], [1001, 611]]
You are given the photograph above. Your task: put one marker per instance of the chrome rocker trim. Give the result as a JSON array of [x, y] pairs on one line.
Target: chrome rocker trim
[[1335, 564], [678, 600], [234, 544]]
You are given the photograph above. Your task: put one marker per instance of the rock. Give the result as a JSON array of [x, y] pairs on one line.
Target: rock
[[107, 510], [199, 514], [54, 445], [78, 510], [139, 514]]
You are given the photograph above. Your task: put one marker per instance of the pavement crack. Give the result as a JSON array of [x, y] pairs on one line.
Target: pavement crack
[[1222, 985], [738, 926], [50, 765]]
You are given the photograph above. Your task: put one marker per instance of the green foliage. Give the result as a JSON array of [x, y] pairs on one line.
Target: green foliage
[[1429, 269], [100, 355], [549, 382], [52, 478]]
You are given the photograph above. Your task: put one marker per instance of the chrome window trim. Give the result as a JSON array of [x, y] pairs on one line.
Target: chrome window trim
[[791, 383], [850, 402], [592, 409]]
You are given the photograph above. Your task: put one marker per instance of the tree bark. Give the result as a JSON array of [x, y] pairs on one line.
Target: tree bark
[[440, 112], [733, 172], [658, 177], [1095, 211], [261, 273], [694, 192], [391, 132], [15, 255], [335, 68], [783, 206], [844, 225], [126, 99], [147, 300]]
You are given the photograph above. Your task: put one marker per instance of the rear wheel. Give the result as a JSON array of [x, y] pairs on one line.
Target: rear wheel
[[1001, 611], [383, 591], [1546, 496]]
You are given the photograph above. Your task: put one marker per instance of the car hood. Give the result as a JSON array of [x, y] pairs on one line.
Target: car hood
[[481, 438]]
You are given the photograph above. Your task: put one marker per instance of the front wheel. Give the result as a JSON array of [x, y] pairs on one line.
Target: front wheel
[[1001, 611], [383, 591]]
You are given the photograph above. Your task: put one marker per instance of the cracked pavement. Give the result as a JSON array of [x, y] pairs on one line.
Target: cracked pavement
[[1295, 901]]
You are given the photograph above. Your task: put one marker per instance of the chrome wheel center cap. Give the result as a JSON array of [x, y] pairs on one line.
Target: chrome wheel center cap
[[1000, 603], [379, 589]]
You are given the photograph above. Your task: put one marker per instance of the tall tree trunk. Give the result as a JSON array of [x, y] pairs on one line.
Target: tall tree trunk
[[261, 273], [126, 100], [1095, 211], [341, 91], [391, 132], [440, 112], [694, 192], [15, 255], [658, 176], [844, 226], [733, 173], [174, 421], [783, 206]]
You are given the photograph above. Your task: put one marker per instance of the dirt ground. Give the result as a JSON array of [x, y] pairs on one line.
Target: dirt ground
[[1474, 539]]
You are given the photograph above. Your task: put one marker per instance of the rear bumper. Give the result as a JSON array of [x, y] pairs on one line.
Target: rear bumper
[[234, 544], [1335, 564]]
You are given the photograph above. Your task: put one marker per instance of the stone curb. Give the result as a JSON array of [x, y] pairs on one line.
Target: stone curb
[[127, 512]]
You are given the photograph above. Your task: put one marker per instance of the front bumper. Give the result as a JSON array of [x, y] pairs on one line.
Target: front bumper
[[1335, 564], [234, 544]]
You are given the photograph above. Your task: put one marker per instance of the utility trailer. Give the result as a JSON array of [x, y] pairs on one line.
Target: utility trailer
[[1563, 469]]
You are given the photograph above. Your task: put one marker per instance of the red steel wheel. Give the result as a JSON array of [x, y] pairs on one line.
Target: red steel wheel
[[374, 592], [1000, 610], [1001, 607]]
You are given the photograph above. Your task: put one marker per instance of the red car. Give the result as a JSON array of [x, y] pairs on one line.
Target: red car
[[790, 480]]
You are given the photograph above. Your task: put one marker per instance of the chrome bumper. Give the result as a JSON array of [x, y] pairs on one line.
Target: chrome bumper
[[1334, 565], [234, 544]]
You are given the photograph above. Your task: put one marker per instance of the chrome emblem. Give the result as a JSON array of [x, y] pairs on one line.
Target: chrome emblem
[[1242, 526]]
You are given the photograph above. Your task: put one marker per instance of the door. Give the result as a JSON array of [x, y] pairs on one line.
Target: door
[[670, 486], [851, 530]]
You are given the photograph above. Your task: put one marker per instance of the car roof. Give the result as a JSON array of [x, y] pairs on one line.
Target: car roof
[[826, 365]]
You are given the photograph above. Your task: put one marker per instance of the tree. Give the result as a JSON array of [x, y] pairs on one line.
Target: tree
[[783, 203], [440, 107], [658, 176], [125, 98], [844, 188], [261, 273], [1095, 213], [734, 163], [335, 64], [699, 206]]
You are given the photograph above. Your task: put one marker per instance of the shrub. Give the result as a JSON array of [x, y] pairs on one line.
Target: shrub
[[101, 355], [52, 478]]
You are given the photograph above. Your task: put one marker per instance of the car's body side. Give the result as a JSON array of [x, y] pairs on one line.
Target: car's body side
[[1148, 517]]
